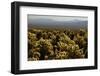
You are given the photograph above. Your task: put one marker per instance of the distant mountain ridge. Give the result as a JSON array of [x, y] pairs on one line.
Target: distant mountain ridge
[[50, 23]]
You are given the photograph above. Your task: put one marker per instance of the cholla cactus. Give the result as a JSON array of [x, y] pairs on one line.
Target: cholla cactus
[[64, 38], [31, 36], [62, 55], [62, 46], [57, 44], [36, 56], [79, 54]]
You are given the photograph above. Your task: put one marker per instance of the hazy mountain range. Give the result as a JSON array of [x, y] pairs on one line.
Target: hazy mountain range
[[50, 23]]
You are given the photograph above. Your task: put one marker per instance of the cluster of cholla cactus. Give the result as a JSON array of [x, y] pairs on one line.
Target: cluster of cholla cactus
[[57, 44]]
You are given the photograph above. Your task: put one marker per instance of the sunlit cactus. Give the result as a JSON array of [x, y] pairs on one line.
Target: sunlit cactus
[[57, 44]]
